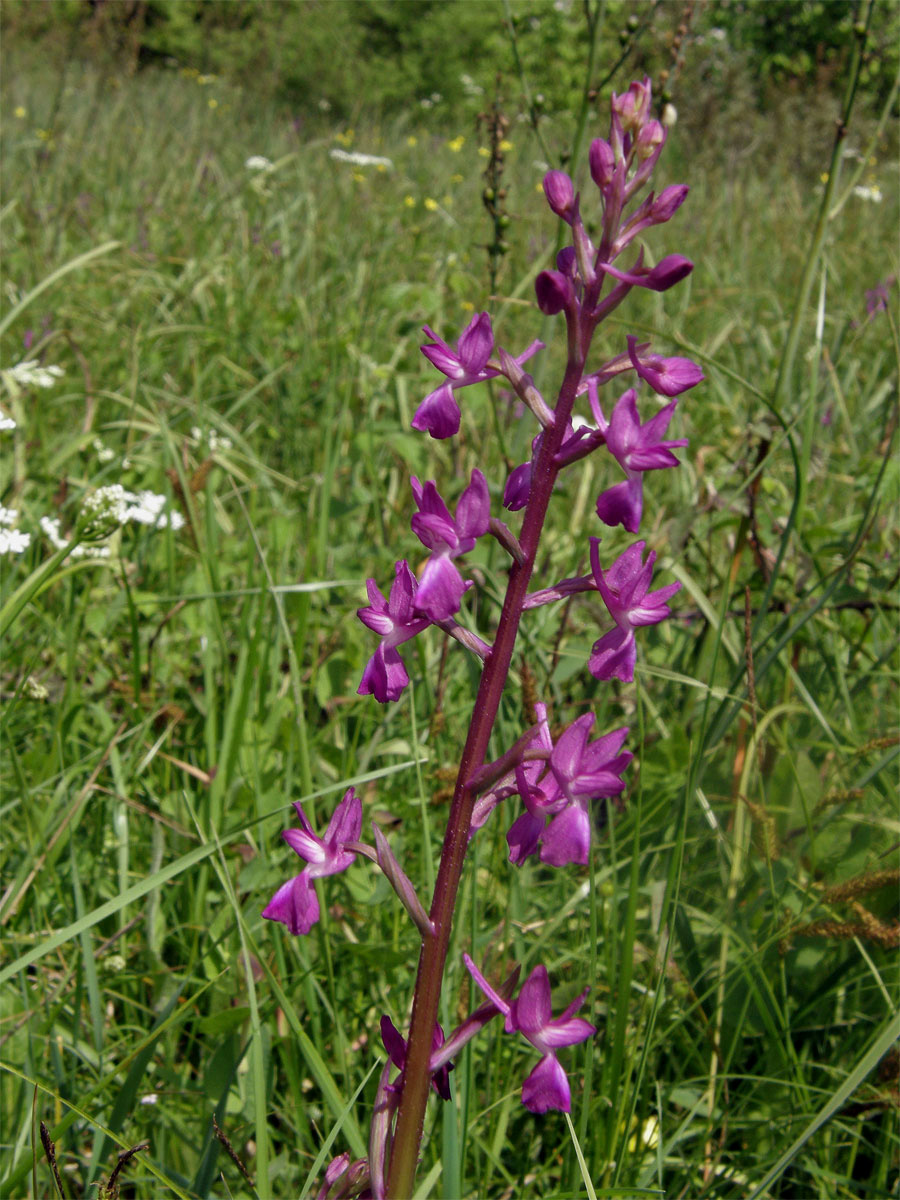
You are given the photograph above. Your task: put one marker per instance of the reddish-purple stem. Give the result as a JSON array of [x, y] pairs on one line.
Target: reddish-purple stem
[[433, 955]]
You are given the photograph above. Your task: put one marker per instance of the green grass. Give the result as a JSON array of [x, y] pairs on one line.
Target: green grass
[[161, 710]]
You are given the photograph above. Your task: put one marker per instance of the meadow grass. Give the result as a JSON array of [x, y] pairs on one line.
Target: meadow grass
[[162, 709]]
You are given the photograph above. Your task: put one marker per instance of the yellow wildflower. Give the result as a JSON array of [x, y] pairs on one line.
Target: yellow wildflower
[[409, 201], [456, 144], [505, 145], [412, 140], [212, 102], [20, 113], [431, 205]]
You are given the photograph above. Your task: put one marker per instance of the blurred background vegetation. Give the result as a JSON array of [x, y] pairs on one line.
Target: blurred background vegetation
[[383, 56]]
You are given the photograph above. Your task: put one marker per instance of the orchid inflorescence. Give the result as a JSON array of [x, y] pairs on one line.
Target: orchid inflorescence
[[555, 779]]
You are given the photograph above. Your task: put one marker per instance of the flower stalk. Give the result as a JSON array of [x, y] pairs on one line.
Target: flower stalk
[[433, 954], [555, 777]]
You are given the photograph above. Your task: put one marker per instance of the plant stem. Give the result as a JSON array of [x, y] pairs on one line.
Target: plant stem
[[433, 955]]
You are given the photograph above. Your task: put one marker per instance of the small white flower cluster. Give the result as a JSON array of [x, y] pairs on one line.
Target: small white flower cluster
[[12, 541], [35, 690], [117, 504], [470, 87], [104, 453], [215, 441], [356, 159], [31, 373], [258, 162], [6, 422], [872, 193], [51, 531]]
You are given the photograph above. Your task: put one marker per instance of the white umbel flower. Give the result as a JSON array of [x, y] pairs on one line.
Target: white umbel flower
[[31, 373], [13, 541]]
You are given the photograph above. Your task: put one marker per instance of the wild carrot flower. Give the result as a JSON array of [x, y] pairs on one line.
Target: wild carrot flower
[[13, 541], [31, 373]]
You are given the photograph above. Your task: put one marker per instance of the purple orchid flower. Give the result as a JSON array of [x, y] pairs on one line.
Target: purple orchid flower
[[344, 1179], [395, 1044], [583, 771], [438, 414], [667, 376], [624, 588], [396, 621], [636, 448], [295, 903], [531, 1015], [576, 444], [441, 587], [579, 771], [542, 798]]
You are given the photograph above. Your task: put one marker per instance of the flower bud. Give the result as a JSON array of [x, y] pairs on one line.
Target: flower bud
[[603, 163], [565, 262], [667, 273], [650, 139], [554, 292], [668, 202], [560, 193], [633, 106]]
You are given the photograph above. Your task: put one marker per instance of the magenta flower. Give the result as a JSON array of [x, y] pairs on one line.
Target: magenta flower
[[554, 292], [542, 798], [560, 193], [344, 1178], [671, 270], [624, 591], [576, 443], [636, 448], [396, 621], [438, 414], [667, 376], [441, 587], [877, 297], [584, 771], [295, 903], [531, 1015], [395, 1044], [579, 771]]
